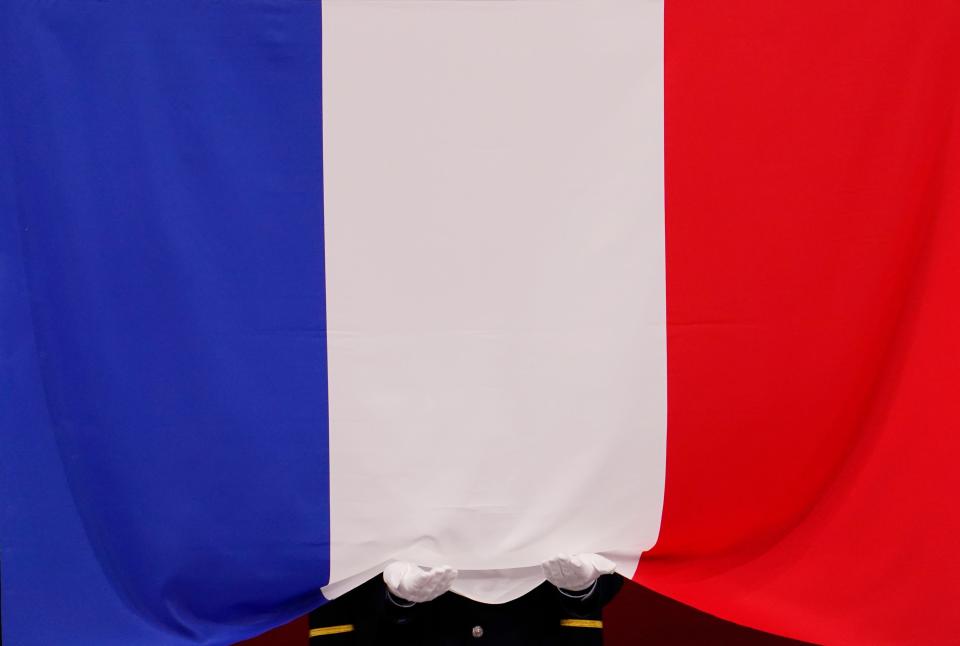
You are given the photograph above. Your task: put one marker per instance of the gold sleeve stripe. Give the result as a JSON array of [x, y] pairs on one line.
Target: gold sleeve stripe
[[581, 623], [331, 630]]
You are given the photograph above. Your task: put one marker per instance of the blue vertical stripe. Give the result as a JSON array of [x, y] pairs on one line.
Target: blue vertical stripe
[[165, 449]]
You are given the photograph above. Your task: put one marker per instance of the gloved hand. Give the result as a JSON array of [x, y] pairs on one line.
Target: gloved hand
[[410, 582], [577, 572]]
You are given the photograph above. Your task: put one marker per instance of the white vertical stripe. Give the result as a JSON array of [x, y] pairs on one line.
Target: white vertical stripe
[[493, 176]]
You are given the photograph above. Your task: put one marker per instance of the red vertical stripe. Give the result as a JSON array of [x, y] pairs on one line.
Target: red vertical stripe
[[813, 272]]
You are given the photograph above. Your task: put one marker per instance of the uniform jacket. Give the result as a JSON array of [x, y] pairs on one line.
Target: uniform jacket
[[544, 616]]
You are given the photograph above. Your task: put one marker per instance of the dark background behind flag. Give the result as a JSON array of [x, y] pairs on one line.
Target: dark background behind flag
[[636, 616]]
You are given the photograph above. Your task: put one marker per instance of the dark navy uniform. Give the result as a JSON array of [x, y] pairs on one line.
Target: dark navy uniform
[[544, 616]]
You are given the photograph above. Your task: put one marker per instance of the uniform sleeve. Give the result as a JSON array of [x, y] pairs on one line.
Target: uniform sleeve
[[350, 619], [366, 615], [340, 621], [590, 604]]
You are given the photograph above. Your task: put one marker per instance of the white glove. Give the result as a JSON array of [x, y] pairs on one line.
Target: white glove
[[577, 572], [409, 582]]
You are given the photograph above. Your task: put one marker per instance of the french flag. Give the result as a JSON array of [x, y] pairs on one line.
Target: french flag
[[291, 289]]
